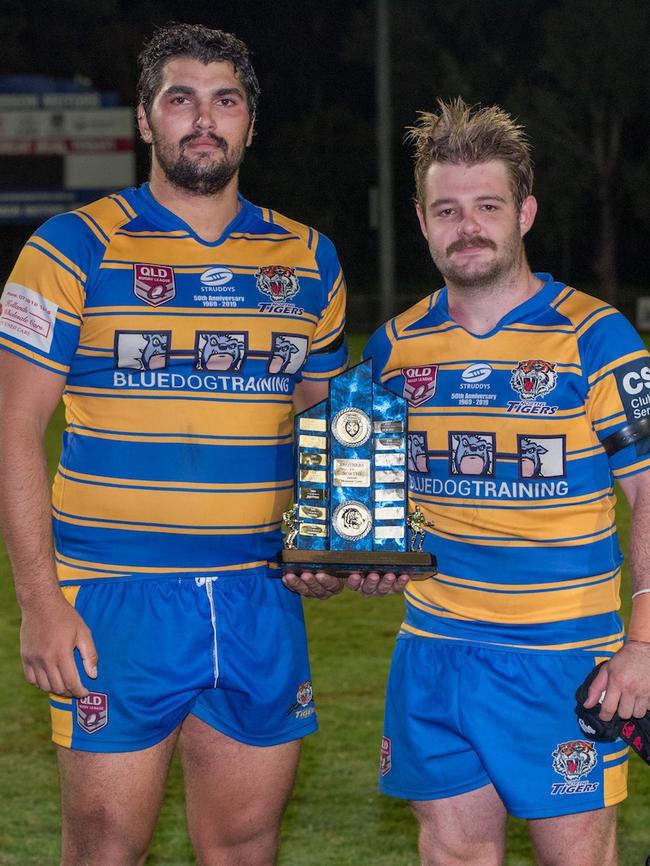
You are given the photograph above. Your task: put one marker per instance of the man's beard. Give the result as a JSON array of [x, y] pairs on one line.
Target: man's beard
[[465, 277], [190, 175]]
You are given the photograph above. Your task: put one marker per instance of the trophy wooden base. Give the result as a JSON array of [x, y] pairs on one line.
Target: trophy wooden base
[[418, 564]]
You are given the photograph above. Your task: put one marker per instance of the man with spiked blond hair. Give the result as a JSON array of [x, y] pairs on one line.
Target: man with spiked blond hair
[[525, 405]]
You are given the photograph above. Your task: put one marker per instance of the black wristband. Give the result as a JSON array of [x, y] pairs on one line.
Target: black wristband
[[626, 436]]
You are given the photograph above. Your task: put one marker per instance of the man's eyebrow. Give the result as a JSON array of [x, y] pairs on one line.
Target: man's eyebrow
[[186, 90], [487, 197]]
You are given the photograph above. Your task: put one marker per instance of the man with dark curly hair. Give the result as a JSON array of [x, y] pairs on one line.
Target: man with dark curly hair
[[158, 314]]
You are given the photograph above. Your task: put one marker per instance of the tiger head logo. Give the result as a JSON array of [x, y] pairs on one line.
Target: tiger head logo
[[574, 759], [533, 378], [278, 282]]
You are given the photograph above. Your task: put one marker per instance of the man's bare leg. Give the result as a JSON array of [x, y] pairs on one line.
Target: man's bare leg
[[468, 828], [110, 803], [588, 839], [236, 795]]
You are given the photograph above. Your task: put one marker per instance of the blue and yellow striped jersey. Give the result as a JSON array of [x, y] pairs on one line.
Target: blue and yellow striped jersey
[[506, 458], [180, 358]]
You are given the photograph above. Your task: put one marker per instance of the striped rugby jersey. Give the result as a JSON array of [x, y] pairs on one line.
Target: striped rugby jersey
[[180, 358], [506, 458]]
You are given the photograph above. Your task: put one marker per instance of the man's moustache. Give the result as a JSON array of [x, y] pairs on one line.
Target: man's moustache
[[220, 142], [460, 245]]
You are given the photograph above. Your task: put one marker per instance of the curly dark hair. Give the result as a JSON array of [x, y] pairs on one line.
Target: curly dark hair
[[198, 43]]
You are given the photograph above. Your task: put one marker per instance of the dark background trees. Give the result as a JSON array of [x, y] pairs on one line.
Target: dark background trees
[[575, 73]]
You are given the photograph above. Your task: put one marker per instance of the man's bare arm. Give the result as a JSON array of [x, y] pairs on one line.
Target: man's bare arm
[[625, 679], [51, 629]]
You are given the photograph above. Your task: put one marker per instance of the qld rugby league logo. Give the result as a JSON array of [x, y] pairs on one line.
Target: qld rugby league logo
[[154, 284], [92, 712], [419, 383], [278, 282], [574, 759], [533, 378]]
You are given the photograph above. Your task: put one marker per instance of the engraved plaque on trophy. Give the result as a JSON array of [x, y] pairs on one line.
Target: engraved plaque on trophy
[[350, 509]]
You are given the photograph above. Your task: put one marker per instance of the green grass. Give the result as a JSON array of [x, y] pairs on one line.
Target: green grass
[[335, 818]]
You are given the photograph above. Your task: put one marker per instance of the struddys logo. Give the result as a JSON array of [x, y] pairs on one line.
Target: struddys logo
[[419, 383], [573, 760], [531, 380], [304, 697], [92, 712], [280, 284], [154, 284], [385, 756]]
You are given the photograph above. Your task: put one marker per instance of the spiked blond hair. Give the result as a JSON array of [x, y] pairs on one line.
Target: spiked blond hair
[[459, 134]]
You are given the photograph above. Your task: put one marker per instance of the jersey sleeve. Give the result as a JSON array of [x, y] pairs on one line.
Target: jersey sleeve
[[379, 348], [328, 354], [41, 308], [617, 366]]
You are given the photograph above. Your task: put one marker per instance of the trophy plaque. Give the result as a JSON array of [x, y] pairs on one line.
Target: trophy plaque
[[350, 500]]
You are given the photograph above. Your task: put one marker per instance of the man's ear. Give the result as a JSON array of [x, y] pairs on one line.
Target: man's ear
[[527, 214], [143, 125], [251, 132], [421, 219]]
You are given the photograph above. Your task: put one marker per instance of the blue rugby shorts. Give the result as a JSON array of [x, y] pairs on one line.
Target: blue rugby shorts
[[461, 716], [231, 650]]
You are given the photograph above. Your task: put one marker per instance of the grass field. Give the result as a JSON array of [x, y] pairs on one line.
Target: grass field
[[336, 817]]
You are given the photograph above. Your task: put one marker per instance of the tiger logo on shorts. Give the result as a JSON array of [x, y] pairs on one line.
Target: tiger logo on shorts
[[574, 759], [533, 378]]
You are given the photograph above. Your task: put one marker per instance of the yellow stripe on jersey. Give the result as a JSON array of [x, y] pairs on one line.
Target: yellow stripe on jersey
[[513, 542], [192, 417], [614, 642], [323, 377], [510, 606], [72, 569], [180, 530], [172, 485], [124, 204], [234, 510]]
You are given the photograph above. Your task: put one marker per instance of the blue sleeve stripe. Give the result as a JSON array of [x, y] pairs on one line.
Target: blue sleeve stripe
[[627, 472], [33, 242], [32, 356]]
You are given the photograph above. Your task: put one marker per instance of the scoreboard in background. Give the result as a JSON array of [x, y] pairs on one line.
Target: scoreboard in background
[[62, 144]]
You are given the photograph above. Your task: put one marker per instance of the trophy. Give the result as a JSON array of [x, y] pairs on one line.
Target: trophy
[[350, 501]]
